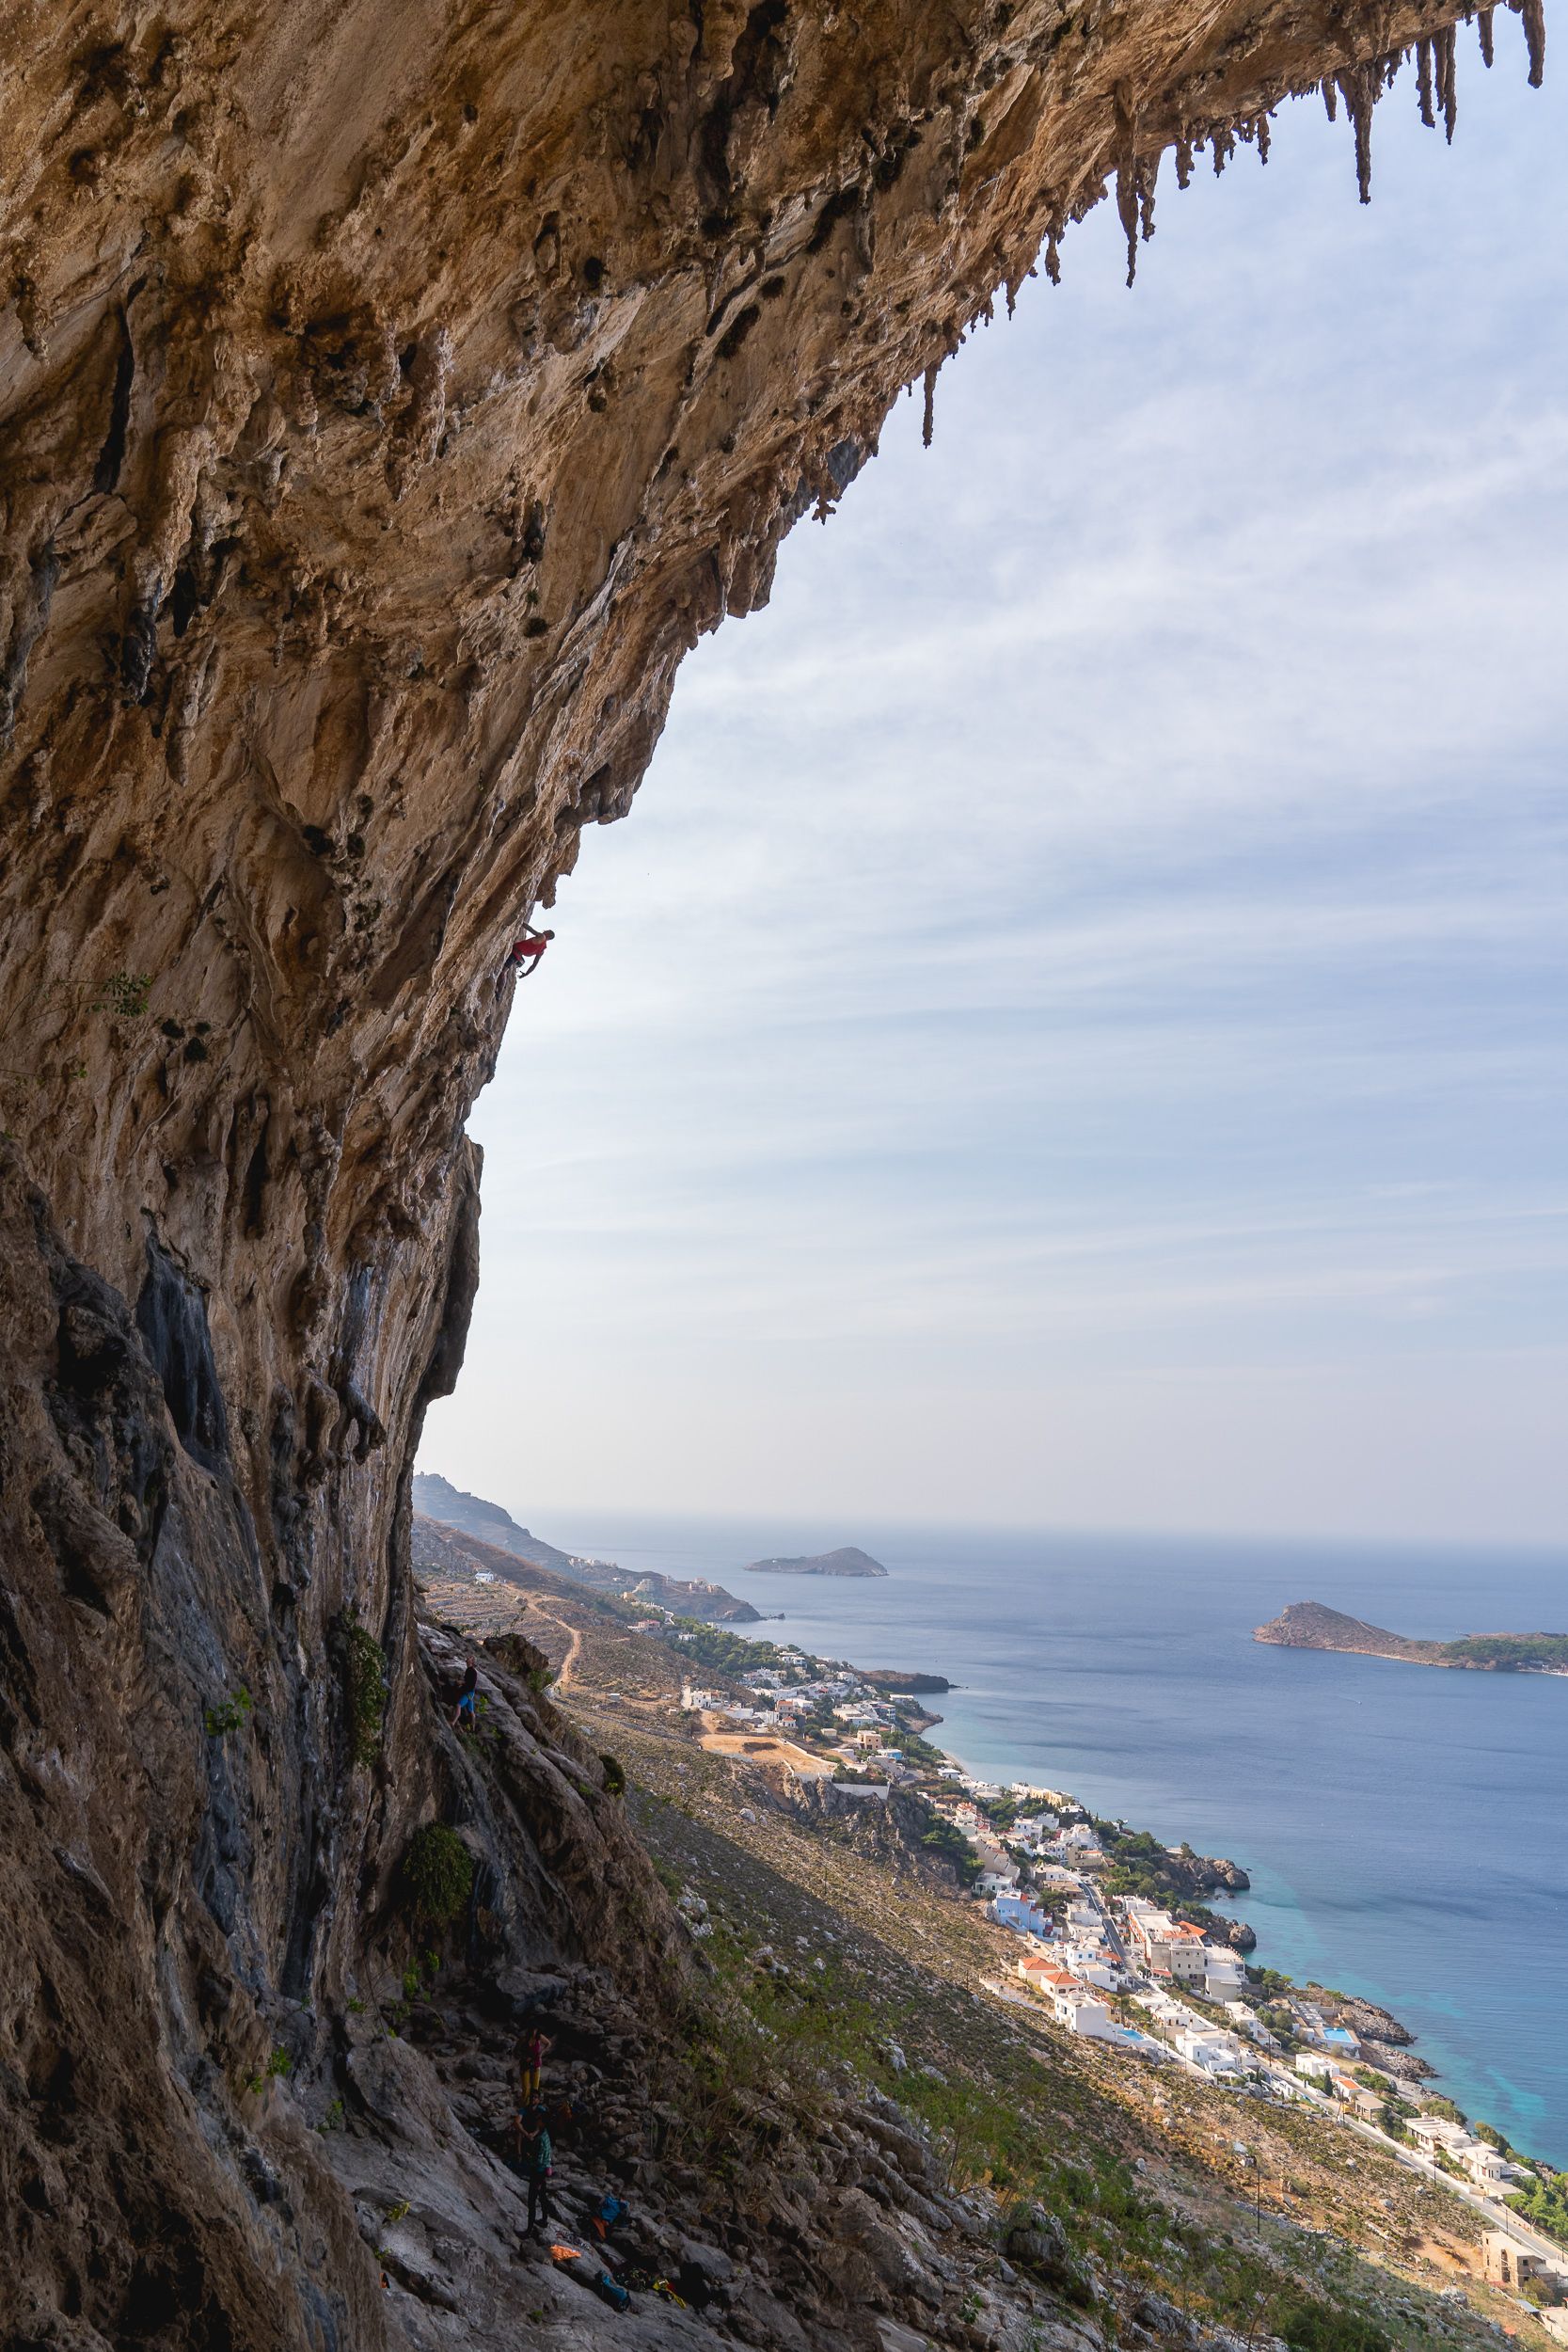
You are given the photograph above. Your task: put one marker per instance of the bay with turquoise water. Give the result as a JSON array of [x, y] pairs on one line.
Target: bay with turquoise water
[[1407, 1830]]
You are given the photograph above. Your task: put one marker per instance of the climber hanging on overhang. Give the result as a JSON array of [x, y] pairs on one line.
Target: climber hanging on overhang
[[523, 955]]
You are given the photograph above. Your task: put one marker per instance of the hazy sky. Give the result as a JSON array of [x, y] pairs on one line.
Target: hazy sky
[[1073, 1029]]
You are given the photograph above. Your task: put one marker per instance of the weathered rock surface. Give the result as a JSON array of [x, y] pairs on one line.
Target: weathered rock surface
[[388, 399], [1203, 1873]]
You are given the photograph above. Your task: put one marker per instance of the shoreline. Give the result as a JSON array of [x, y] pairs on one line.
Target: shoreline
[[1401, 1657], [1390, 2037]]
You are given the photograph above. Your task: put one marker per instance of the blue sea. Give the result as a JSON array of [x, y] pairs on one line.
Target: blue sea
[[1407, 1830]]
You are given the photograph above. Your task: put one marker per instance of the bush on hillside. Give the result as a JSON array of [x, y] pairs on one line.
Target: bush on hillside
[[438, 1872]]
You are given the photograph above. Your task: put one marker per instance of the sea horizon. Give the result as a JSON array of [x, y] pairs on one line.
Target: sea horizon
[[1398, 1823]]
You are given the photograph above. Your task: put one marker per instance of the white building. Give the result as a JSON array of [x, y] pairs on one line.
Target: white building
[[1224, 1971], [1217, 2052], [1094, 1964], [1081, 2013], [1436, 2132], [1245, 2019], [1487, 2169]]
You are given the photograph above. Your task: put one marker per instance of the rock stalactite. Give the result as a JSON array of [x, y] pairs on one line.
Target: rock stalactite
[[389, 399]]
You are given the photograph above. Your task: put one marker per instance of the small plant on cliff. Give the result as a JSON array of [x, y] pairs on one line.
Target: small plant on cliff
[[614, 1777], [539, 1679], [439, 1871], [125, 995], [333, 2118], [231, 1714], [367, 1690], [280, 2065]]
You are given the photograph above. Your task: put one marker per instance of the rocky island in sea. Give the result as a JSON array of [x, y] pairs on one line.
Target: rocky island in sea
[[848, 1560], [1310, 1624]]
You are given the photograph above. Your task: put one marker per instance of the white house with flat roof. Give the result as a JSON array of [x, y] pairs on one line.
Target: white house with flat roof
[[1217, 2052], [1434, 2132], [1488, 2169], [1079, 2012], [1224, 1971]]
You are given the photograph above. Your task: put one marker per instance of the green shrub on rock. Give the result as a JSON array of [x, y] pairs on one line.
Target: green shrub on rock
[[439, 1871], [367, 1690], [230, 1714]]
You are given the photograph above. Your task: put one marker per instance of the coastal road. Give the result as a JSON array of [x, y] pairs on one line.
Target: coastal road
[[1498, 2216], [1301, 2091], [1112, 1936]]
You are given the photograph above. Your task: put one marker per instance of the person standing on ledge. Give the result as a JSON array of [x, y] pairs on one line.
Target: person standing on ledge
[[536, 2157], [523, 955], [533, 2048], [466, 1716]]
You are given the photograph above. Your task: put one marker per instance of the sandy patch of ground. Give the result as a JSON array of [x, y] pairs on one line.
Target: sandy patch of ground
[[765, 1749]]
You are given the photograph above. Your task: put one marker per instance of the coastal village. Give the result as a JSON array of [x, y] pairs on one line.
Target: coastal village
[[1097, 1929], [1114, 1965]]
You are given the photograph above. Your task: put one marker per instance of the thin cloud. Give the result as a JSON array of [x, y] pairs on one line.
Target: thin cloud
[[1077, 1013]]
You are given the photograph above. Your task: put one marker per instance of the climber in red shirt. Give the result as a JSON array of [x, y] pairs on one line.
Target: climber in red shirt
[[523, 955]]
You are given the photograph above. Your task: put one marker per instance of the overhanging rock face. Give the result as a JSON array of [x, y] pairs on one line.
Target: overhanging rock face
[[389, 398]]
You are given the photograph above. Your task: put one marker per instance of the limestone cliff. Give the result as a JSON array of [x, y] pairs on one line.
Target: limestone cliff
[[389, 398]]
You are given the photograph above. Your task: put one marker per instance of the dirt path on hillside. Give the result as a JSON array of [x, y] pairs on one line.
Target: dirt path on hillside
[[574, 1645]]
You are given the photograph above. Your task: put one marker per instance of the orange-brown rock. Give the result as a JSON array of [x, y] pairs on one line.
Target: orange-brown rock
[[389, 397]]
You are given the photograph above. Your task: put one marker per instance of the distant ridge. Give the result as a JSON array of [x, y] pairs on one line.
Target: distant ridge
[[848, 1560], [1310, 1625], [438, 1499], [440, 1505]]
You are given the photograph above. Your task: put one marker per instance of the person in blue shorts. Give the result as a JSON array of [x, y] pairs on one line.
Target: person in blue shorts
[[467, 1716]]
